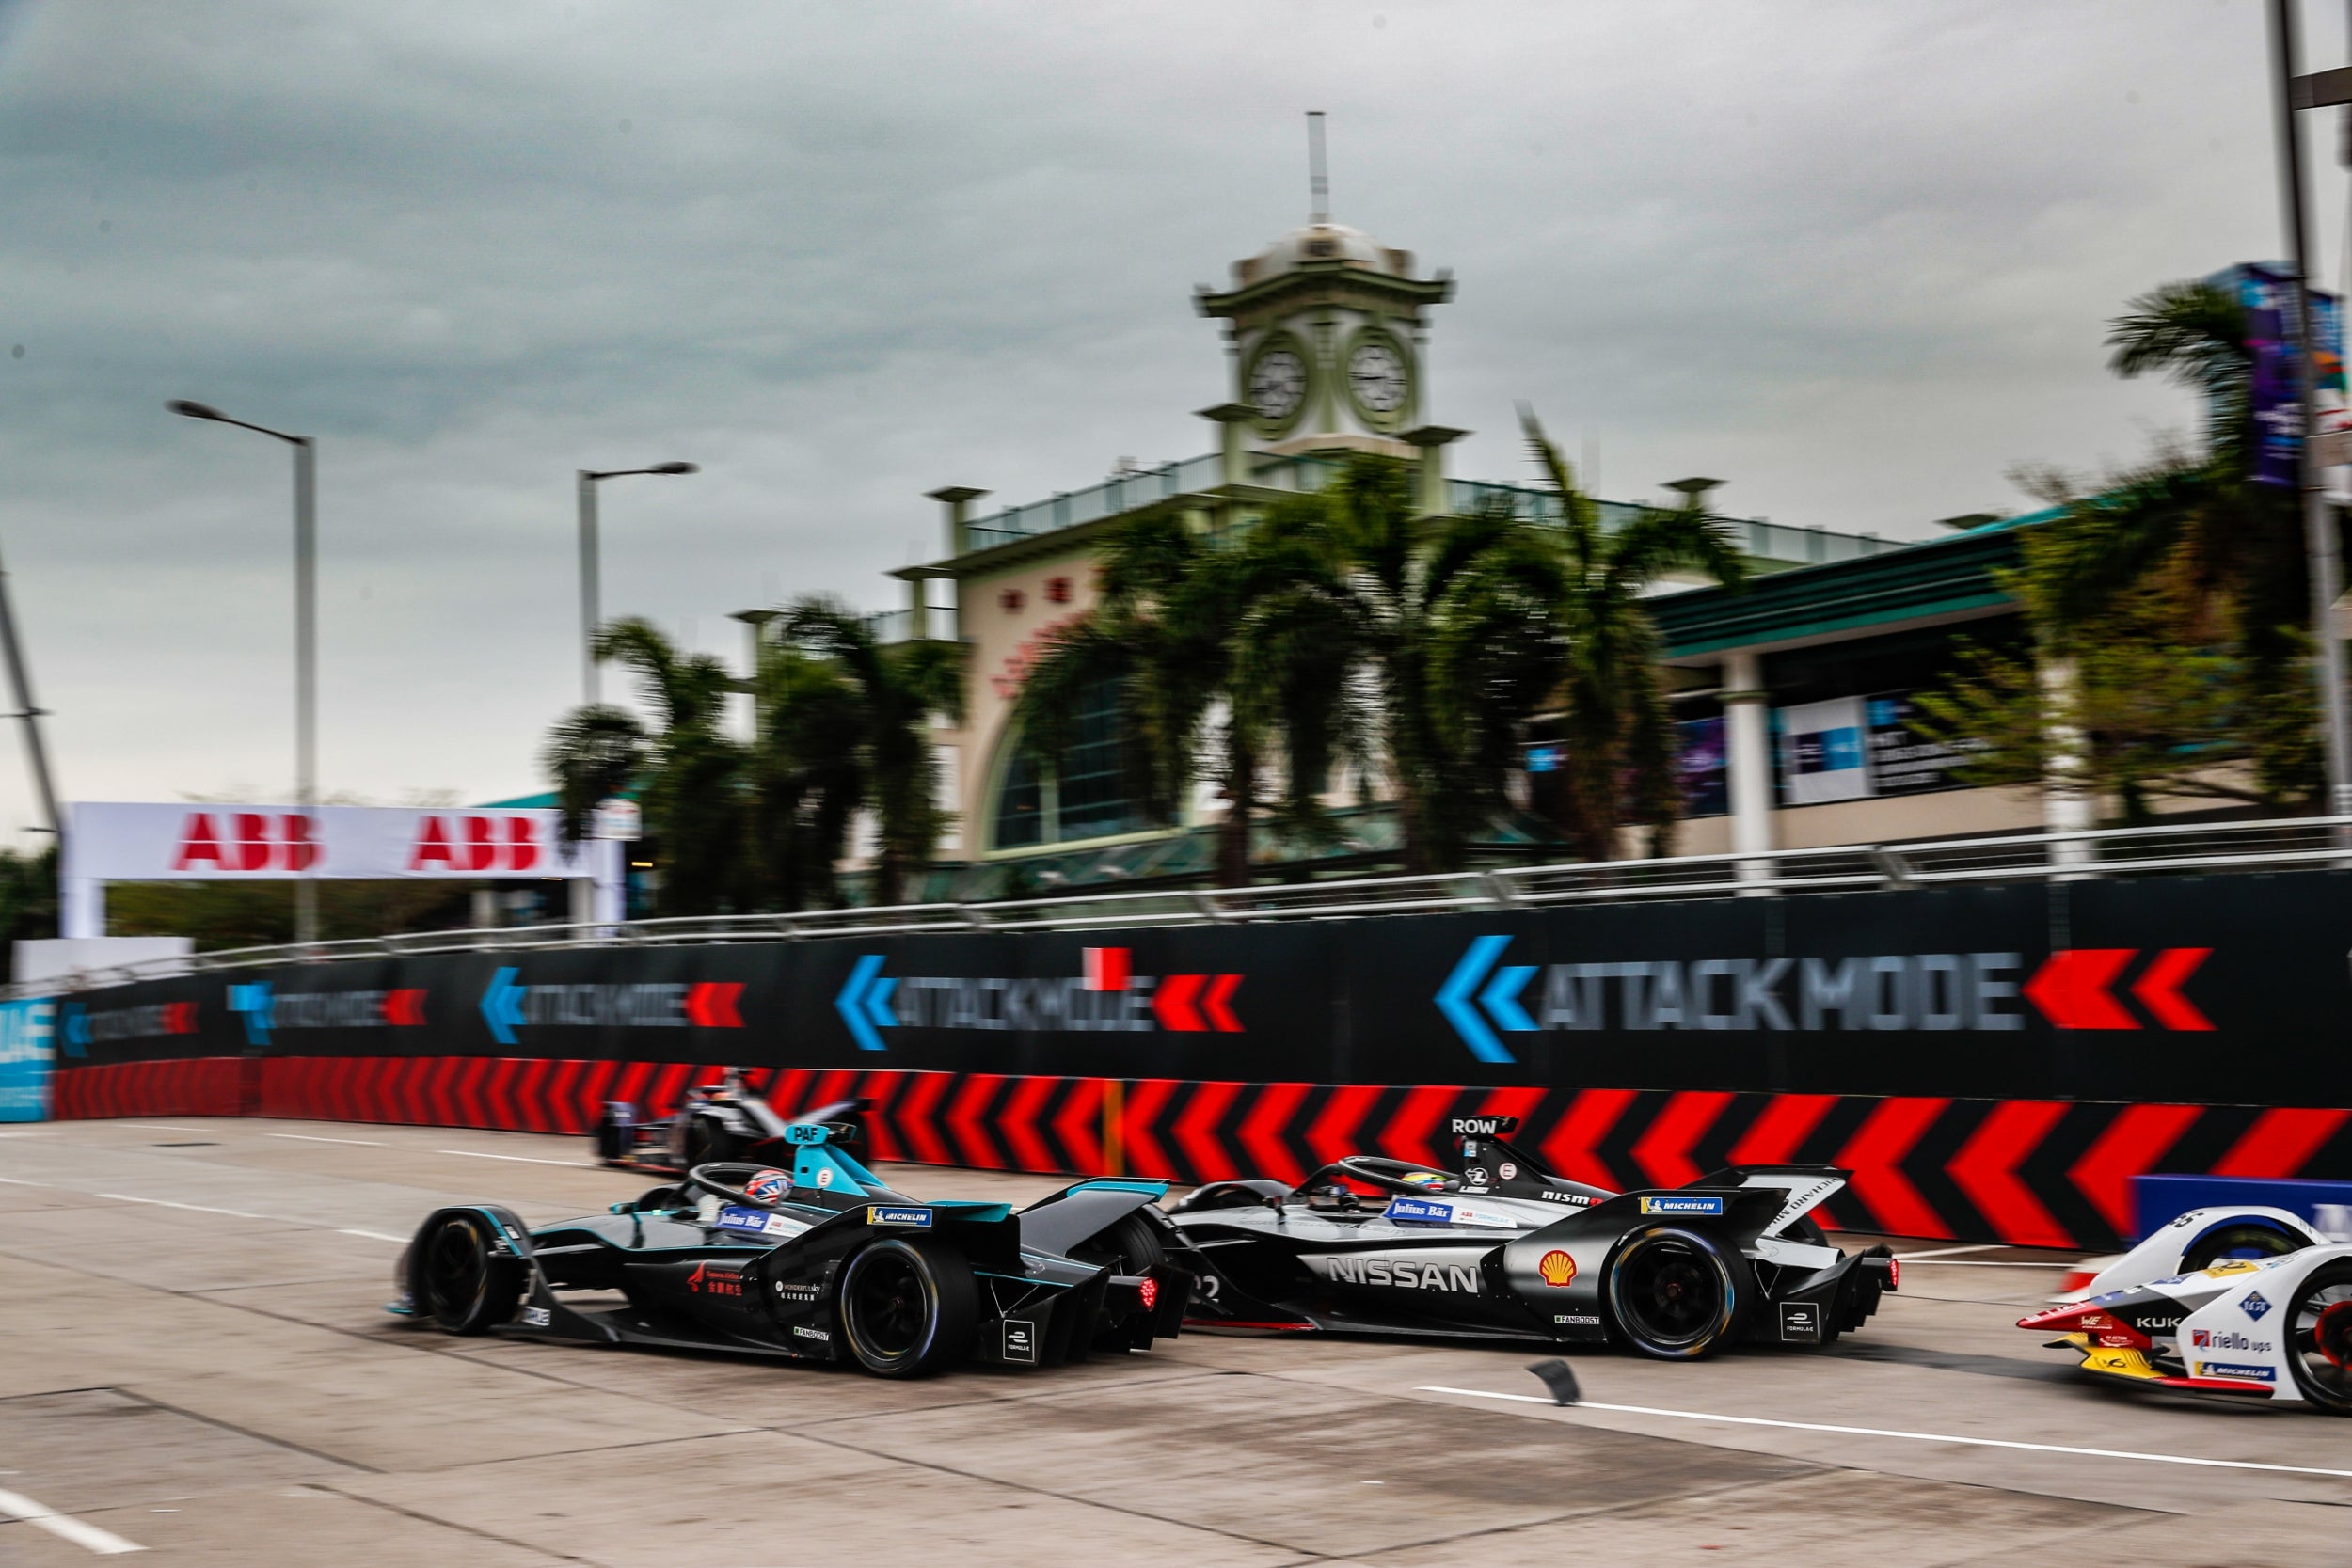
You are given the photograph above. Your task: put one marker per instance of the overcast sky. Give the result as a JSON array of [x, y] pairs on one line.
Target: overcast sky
[[1854, 258]]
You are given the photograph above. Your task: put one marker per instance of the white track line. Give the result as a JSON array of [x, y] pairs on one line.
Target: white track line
[[1978, 1263], [65, 1526], [1912, 1437], [309, 1139], [241, 1214], [1949, 1251], [164, 1127], [518, 1158]]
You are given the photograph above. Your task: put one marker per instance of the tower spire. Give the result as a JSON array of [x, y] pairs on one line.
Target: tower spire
[[1318, 176]]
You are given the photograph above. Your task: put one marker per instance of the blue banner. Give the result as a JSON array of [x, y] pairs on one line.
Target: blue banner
[[26, 1033], [2267, 294]]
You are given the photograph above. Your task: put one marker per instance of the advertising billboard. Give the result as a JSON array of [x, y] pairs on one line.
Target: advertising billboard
[[26, 1029]]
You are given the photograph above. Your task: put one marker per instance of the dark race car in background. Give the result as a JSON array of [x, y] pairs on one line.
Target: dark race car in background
[[822, 1263], [715, 1122], [1501, 1249]]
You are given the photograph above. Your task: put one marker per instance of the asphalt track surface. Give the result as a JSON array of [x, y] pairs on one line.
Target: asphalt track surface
[[194, 1363]]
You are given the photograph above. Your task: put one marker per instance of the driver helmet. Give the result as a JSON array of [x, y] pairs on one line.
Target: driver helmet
[[767, 1186]]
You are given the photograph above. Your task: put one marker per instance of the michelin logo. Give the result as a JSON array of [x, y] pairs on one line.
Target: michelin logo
[[1691, 1205], [2231, 1369], [884, 1214]]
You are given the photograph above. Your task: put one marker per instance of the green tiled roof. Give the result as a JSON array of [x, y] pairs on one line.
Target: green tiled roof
[[1939, 576]]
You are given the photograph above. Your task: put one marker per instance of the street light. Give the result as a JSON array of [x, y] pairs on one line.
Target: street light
[[757, 622], [306, 637], [590, 615]]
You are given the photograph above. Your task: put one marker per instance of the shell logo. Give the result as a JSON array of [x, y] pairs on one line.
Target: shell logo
[[1557, 1268]]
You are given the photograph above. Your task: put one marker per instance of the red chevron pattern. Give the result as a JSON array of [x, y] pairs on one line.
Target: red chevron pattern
[[2036, 1173]]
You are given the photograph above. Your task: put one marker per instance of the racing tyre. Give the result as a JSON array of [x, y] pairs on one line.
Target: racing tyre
[[2243, 1238], [908, 1308], [708, 1142], [2319, 1344], [459, 1282], [1678, 1294], [1131, 1246]]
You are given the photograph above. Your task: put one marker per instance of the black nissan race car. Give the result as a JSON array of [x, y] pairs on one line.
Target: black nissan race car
[[823, 1262], [1500, 1248], [722, 1121]]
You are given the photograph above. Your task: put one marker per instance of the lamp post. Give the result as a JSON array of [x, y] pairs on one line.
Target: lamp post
[[590, 614], [306, 638], [755, 622]]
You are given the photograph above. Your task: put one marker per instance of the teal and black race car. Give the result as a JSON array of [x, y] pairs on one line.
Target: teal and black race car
[[823, 1262]]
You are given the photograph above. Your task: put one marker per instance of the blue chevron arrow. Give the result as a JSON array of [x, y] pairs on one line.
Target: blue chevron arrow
[[502, 1006], [1502, 997], [865, 1002], [1453, 998], [253, 1000], [76, 1030]]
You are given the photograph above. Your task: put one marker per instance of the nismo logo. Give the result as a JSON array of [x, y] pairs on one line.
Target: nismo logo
[[1410, 1274]]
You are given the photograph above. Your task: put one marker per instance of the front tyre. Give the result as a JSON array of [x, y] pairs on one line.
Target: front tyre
[[2241, 1239], [708, 1142], [2319, 1337], [908, 1308], [458, 1282], [1677, 1295]]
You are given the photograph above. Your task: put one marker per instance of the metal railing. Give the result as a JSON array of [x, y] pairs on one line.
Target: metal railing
[[2283, 845]]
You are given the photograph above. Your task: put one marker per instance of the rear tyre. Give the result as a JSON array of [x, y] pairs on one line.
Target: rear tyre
[[908, 1308], [708, 1142], [1130, 1244], [460, 1284], [2239, 1239], [2319, 1342], [1677, 1295]]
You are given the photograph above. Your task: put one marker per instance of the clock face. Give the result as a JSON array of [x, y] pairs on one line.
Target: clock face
[[1376, 375], [1278, 385]]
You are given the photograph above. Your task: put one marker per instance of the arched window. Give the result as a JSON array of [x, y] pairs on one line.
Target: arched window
[[1078, 795]]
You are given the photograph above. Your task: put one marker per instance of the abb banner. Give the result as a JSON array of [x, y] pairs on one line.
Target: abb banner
[[139, 842]]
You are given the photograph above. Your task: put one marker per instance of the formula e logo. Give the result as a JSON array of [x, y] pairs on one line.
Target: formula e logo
[[1409, 1272], [1677, 1205]]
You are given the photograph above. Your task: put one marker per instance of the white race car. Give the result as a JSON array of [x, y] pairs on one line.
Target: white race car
[[2247, 1301]]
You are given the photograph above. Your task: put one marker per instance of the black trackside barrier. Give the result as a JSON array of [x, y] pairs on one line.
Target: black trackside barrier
[[2230, 989]]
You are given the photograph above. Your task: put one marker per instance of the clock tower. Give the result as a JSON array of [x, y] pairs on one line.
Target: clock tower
[[1326, 329]]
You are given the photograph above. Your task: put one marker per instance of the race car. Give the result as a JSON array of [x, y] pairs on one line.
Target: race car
[[1501, 1249], [722, 1121], [2243, 1301], [823, 1262]]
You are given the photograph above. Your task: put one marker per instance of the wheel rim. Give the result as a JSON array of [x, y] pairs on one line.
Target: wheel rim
[[2323, 1338], [455, 1271], [1670, 1291], [889, 1305]]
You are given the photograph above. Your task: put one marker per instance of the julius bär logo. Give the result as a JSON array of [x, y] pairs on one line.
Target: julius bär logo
[[1107, 996]]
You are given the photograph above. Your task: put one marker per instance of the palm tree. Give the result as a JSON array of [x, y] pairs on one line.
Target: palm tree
[[2196, 527], [808, 774], [1165, 629], [894, 692], [1424, 643], [693, 774], [1620, 752]]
